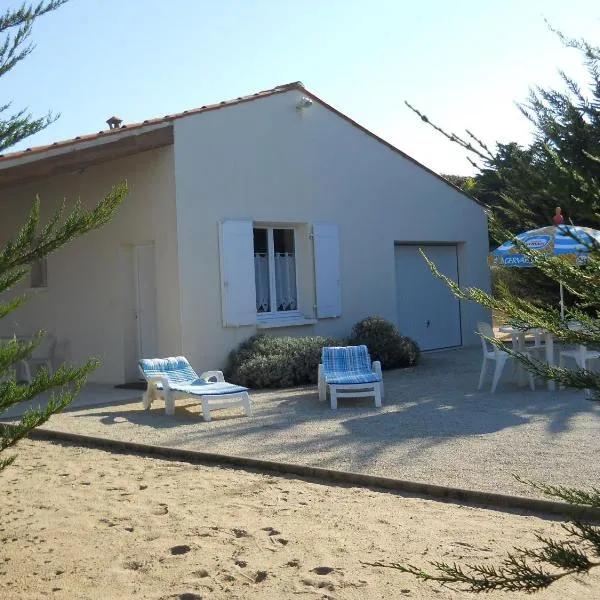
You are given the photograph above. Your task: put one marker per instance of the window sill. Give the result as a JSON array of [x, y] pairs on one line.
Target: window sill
[[272, 323]]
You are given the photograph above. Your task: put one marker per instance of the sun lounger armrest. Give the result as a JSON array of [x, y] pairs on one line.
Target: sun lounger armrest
[[152, 381], [377, 368], [217, 375]]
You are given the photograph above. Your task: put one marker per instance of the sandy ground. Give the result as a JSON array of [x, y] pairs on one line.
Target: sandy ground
[[85, 523]]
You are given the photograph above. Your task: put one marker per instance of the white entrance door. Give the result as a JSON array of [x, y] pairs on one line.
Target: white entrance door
[[145, 292], [428, 312]]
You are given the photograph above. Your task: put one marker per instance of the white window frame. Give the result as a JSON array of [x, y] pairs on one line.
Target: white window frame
[[279, 315]]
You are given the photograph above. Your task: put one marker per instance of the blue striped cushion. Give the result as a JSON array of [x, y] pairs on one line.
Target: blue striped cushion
[[351, 377], [202, 388], [349, 364], [175, 369]]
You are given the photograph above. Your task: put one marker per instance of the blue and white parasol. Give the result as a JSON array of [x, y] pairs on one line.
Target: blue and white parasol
[[567, 241]]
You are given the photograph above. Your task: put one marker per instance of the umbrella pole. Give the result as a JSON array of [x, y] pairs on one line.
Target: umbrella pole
[[562, 303]]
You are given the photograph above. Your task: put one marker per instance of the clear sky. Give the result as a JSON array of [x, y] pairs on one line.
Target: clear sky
[[463, 63]]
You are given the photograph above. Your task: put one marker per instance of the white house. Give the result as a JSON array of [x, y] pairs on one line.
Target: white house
[[270, 212]]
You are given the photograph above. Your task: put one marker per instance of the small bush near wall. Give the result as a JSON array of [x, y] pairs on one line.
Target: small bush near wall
[[277, 362], [385, 343]]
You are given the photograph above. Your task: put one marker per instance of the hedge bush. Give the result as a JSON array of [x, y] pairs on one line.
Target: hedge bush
[[385, 343], [264, 361], [277, 362]]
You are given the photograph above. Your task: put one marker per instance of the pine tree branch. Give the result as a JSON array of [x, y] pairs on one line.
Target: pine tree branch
[[27, 12], [515, 575], [29, 246], [9, 280], [16, 25], [11, 352], [564, 493], [69, 379], [22, 125], [12, 393], [479, 149], [7, 307]]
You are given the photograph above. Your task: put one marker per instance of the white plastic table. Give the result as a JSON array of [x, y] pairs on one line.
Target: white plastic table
[[518, 340]]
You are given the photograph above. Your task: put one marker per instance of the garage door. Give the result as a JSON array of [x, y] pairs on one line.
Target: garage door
[[428, 312]]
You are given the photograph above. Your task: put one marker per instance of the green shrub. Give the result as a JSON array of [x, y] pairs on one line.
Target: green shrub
[[385, 343], [263, 361]]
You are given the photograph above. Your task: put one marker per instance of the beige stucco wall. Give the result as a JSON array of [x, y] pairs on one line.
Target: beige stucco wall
[[89, 302], [266, 161]]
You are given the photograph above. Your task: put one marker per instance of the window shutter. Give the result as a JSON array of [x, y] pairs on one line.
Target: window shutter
[[238, 292], [328, 281]]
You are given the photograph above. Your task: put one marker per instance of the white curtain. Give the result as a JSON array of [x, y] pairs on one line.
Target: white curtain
[[285, 281], [261, 276]]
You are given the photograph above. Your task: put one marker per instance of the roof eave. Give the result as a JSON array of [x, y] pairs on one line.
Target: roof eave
[[74, 157]]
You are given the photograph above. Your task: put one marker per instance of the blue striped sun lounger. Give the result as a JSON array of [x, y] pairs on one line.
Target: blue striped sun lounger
[[348, 371], [173, 377]]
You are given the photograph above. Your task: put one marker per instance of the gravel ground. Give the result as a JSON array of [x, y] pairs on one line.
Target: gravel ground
[[434, 427]]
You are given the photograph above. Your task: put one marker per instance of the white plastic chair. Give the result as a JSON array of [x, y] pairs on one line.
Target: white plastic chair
[[538, 347], [581, 355], [42, 356], [492, 353]]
